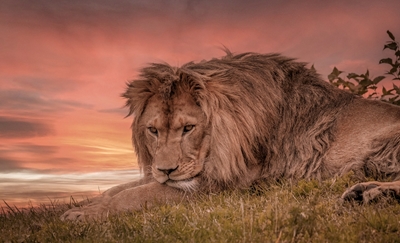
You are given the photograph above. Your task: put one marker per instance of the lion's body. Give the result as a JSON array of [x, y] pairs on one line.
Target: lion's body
[[226, 123]]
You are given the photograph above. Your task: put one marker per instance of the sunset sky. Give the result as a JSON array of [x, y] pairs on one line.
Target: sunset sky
[[65, 63]]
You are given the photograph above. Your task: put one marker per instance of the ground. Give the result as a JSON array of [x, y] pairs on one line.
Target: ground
[[307, 211]]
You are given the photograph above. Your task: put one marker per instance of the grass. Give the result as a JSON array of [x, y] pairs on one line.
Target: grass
[[308, 211]]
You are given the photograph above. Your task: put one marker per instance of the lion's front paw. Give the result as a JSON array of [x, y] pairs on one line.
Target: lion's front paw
[[74, 214], [92, 212], [370, 191]]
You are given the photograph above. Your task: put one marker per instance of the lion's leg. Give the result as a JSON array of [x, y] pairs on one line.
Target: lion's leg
[[368, 191], [383, 161], [132, 199], [115, 190]]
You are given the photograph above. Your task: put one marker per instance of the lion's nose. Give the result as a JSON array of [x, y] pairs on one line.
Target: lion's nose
[[167, 171]]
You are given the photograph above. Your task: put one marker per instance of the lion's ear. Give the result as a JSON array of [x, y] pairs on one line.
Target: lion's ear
[[153, 79], [128, 102], [137, 94]]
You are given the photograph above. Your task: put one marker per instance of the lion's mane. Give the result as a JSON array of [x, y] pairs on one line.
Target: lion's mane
[[264, 111]]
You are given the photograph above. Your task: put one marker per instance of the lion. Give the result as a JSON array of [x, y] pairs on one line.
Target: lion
[[230, 122]]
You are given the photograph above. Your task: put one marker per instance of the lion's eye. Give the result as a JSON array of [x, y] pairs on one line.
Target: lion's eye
[[188, 128], [153, 130]]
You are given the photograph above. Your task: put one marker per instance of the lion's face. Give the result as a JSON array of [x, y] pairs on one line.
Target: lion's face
[[177, 138]]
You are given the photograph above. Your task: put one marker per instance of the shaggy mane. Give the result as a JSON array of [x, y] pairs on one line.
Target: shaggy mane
[[263, 110]]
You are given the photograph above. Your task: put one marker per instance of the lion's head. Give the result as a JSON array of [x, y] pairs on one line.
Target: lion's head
[[176, 137], [195, 125], [218, 123]]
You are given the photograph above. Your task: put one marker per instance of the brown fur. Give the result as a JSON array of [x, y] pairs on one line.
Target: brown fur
[[255, 117]]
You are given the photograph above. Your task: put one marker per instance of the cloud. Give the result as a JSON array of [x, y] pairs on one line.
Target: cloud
[[19, 156], [120, 111], [8, 165], [55, 155], [19, 99], [40, 84], [31, 148], [22, 128], [41, 188]]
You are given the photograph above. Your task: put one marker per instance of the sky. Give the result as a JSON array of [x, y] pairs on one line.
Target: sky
[[64, 65]]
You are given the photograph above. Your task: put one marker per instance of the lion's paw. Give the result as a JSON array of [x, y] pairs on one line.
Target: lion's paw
[[371, 191], [89, 213], [74, 214]]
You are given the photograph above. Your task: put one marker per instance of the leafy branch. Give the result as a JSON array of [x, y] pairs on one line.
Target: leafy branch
[[364, 85], [395, 63]]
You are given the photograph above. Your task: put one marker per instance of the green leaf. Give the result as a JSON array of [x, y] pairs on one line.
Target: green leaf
[[365, 82], [393, 99], [393, 70], [334, 74], [372, 95], [386, 92], [396, 88], [331, 78], [336, 71], [378, 79], [352, 75], [390, 35], [386, 60], [351, 86], [391, 46]]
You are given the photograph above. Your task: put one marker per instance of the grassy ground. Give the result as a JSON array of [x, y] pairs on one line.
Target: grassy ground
[[305, 212]]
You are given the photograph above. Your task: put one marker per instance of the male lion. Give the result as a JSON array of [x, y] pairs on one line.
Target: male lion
[[224, 123]]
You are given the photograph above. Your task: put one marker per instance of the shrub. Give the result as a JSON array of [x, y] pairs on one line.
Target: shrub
[[366, 86]]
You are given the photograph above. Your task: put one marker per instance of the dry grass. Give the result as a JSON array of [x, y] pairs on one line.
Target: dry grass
[[306, 212]]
